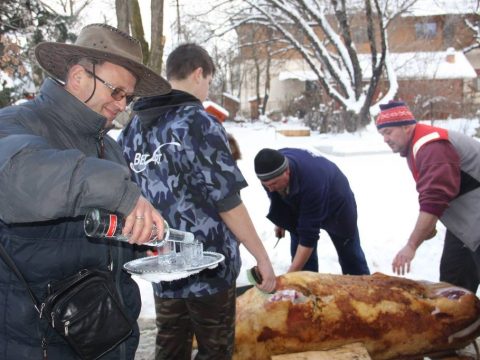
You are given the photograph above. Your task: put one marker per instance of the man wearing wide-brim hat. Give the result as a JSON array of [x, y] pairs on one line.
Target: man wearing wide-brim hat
[[56, 162]]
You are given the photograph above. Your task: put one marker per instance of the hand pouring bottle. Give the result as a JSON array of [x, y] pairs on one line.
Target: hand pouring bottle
[[102, 224]]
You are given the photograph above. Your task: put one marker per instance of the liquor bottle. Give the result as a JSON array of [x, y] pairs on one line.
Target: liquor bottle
[[103, 224]]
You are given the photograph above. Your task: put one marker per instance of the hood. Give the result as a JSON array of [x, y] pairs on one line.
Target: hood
[[149, 109], [164, 102]]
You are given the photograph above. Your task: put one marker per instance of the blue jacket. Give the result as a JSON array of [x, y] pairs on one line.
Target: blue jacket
[[179, 156], [49, 175], [319, 197]]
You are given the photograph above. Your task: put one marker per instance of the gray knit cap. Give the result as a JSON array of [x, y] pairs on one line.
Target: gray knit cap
[[270, 164]]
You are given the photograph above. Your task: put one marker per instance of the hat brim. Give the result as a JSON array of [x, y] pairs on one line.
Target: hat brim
[[54, 58], [274, 173], [395, 123]]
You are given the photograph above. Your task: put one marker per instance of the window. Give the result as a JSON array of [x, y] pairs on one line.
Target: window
[[427, 30]]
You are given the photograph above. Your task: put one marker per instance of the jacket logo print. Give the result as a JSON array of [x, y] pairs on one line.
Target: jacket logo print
[[140, 161]]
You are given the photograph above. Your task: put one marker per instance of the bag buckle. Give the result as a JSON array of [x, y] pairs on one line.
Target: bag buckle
[[40, 311]]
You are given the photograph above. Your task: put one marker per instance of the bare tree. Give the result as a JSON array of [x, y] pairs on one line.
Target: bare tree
[[258, 45], [129, 19], [253, 41], [321, 32], [158, 39], [123, 15], [199, 24], [474, 26], [25, 23], [71, 8]]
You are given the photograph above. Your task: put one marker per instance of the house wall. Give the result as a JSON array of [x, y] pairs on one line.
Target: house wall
[[409, 33], [405, 34], [231, 106], [281, 92], [437, 99], [446, 97]]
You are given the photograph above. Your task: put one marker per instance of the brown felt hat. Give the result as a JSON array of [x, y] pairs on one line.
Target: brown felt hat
[[105, 43]]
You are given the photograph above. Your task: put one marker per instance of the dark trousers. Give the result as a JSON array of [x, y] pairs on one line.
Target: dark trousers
[[210, 318], [458, 265], [350, 254]]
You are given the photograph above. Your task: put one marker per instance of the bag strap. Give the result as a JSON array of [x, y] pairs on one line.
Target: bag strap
[[11, 264]]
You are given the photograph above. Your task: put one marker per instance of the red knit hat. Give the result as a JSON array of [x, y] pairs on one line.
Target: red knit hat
[[395, 113]]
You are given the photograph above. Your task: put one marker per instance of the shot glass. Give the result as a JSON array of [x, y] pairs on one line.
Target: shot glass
[[197, 253], [192, 253], [167, 254], [186, 252]]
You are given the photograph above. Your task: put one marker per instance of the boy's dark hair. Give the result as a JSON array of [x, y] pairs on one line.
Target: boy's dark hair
[[185, 59]]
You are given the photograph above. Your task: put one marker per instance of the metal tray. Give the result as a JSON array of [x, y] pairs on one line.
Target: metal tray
[[149, 269]]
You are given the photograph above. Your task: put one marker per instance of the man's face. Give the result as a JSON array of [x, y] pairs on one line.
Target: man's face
[[102, 101], [397, 137], [204, 87], [279, 184]]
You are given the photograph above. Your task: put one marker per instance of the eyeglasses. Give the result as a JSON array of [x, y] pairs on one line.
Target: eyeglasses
[[117, 93]]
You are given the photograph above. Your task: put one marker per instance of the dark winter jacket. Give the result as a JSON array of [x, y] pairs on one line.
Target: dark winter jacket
[[319, 197], [49, 175], [179, 156]]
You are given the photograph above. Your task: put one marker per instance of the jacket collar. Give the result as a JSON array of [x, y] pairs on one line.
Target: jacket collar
[[69, 111], [293, 182], [150, 109], [173, 98]]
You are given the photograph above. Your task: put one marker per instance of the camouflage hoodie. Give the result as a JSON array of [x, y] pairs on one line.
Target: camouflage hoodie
[[179, 156]]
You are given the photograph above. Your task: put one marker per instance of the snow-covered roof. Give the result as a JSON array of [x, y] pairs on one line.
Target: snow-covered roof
[[441, 7], [425, 65], [302, 75], [207, 104], [231, 97]]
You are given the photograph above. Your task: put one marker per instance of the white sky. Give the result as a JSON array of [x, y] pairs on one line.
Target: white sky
[[383, 187]]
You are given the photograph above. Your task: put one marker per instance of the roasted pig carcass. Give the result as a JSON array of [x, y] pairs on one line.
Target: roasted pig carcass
[[395, 318]]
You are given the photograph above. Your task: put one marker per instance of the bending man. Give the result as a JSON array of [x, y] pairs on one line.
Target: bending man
[[309, 193]]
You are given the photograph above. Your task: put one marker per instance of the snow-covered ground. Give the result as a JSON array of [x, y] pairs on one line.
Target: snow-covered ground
[[383, 187]]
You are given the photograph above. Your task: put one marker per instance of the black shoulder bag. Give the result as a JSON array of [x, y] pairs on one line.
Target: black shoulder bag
[[84, 309]]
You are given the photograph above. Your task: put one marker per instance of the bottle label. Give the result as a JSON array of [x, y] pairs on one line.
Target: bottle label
[[112, 225]]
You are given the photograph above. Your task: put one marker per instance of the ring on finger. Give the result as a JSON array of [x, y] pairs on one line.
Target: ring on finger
[[139, 217]]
